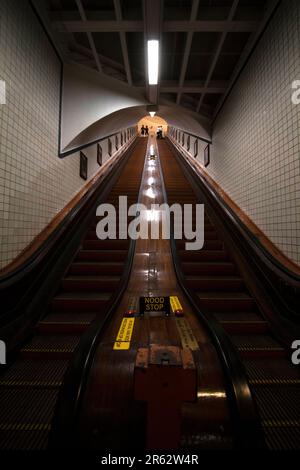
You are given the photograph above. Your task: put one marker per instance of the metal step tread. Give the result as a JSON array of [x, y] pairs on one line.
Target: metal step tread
[[208, 263], [41, 372], [90, 277], [25, 406], [278, 404], [279, 371], [256, 342], [83, 295], [224, 295], [51, 343], [282, 435], [97, 252], [206, 252], [239, 317], [68, 318], [25, 417], [97, 263], [212, 278]]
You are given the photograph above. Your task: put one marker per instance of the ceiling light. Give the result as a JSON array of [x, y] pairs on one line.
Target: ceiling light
[[153, 48], [152, 113]]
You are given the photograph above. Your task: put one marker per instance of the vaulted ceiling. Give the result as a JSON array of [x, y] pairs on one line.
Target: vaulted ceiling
[[204, 43]]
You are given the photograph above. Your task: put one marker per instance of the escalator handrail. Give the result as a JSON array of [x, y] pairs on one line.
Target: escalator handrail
[[246, 423]]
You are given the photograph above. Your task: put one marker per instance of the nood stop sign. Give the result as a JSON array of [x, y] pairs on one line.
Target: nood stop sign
[[155, 304]]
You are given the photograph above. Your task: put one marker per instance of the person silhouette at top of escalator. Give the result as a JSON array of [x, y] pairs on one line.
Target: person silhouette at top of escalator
[[143, 130], [147, 130]]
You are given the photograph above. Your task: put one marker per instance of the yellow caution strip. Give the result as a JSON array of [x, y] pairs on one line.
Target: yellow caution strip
[[176, 306], [124, 335], [186, 334]]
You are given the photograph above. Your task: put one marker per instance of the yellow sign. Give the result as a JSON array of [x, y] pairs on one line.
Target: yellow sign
[[176, 306], [124, 334], [186, 334]]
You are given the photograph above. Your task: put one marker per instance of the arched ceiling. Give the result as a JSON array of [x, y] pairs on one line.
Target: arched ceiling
[[94, 106], [131, 116], [155, 120]]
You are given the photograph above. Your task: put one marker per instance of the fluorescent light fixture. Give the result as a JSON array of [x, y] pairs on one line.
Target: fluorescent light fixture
[[153, 48], [152, 113]]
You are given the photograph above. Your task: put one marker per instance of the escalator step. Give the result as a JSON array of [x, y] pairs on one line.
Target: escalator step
[[208, 245], [203, 255], [39, 373], [101, 255], [257, 346], [279, 409], [50, 346], [276, 372], [238, 316], [25, 417], [65, 323], [80, 301], [226, 301], [89, 283], [242, 322], [220, 283], [90, 268], [105, 244], [207, 268]]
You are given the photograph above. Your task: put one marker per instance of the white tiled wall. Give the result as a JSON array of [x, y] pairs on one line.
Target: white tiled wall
[[255, 155], [34, 183]]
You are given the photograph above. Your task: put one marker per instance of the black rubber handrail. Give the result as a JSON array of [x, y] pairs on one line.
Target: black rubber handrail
[[281, 283], [73, 150], [68, 408], [198, 137], [247, 430]]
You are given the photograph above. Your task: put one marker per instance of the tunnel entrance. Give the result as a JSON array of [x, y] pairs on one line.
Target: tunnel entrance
[[153, 123]]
